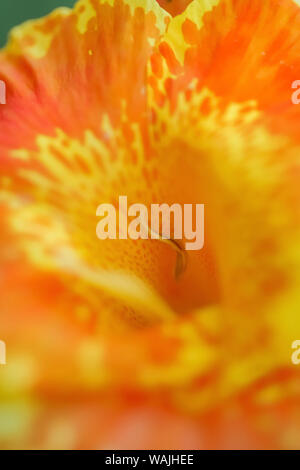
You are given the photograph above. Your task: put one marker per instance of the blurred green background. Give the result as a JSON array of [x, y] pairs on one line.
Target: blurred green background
[[14, 12]]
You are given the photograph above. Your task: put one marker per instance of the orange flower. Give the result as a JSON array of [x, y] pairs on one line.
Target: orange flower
[[105, 348]]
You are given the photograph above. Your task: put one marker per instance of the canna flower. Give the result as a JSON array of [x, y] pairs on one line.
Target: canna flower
[[175, 102]]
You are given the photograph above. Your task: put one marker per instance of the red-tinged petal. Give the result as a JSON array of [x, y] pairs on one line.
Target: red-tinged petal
[[79, 63], [241, 51]]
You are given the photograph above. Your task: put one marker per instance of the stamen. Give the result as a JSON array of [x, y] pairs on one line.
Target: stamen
[[181, 259]]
